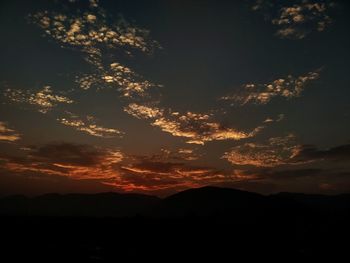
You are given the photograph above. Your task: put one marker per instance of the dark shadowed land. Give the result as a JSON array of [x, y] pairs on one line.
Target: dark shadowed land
[[206, 223]]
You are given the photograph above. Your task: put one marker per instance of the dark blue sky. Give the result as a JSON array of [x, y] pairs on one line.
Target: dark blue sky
[[160, 96]]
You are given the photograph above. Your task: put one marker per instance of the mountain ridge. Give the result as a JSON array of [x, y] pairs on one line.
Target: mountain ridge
[[206, 201]]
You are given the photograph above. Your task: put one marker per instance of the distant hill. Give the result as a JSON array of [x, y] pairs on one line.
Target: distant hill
[[200, 202], [88, 205], [212, 223]]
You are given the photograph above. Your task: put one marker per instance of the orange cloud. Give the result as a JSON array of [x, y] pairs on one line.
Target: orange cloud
[[112, 167], [69, 160], [7, 134]]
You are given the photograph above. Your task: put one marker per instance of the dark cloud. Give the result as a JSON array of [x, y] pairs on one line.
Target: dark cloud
[[311, 153], [68, 153], [76, 161], [296, 19]]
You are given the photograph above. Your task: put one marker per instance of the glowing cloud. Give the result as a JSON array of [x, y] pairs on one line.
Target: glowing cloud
[[91, 33], [195, 126], [277, 151], [289, 87]]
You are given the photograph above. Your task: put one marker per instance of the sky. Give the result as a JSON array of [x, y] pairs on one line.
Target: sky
[[157, 97]]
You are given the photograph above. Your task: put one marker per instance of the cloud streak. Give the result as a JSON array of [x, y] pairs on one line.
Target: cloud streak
[[196, 127], [88, 125], [7, 134], [65, 159]]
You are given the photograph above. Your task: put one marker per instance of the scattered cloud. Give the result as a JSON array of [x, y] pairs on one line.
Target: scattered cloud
[[289, 87], [92, 33], [297, 19], [197, 127], [44, 99], [88, 125], [7, 134], [277, 151]]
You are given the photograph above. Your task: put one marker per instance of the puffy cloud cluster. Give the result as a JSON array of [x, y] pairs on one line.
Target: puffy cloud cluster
[[89, 126], [197, 127], [90, 29], [91, 33], [277, 151], [44, 99], [299, 18], [125, 80], [7, 134], [288, 87]]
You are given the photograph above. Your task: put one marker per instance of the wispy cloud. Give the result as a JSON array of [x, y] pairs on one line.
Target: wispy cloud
[[153, 173], [88, 125], [7, 134], [289, 87], [312, 153], [197, 127], [148, 175], [65, 159], [174, 155], [44, 99], [279, 118], [297, 19]]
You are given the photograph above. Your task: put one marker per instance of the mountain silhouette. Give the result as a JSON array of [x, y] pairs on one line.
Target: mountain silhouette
[[89, 205], [198, 202], [203, 223]]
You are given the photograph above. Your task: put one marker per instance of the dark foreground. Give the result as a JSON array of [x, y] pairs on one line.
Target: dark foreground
[[218, 225]]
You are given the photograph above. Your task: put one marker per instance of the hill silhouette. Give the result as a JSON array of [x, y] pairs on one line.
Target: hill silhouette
[[203, 202], [88, 205], [199, 224]]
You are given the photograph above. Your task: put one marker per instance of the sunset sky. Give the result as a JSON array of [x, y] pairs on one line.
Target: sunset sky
[[160, 96]]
